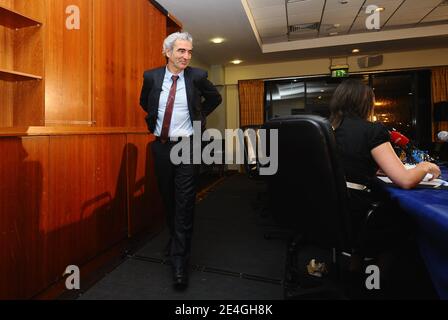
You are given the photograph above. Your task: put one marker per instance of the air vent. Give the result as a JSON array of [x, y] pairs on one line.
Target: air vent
[[303, 26]]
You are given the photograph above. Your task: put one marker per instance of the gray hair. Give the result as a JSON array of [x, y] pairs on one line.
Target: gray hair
[[168, 44]]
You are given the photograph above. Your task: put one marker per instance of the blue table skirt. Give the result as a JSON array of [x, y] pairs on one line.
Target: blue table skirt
[[429, 208]]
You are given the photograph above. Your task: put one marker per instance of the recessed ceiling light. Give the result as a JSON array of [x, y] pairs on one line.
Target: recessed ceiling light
[[217, 40], [380, 9], [343, 1], [337, 25], [333, 33], [236, 61], [355, 51]]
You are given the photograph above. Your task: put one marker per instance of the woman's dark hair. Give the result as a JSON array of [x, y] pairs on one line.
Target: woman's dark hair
[[351, 98]]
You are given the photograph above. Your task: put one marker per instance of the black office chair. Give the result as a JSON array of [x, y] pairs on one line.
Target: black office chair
[[252, 168], [252, 165], [309, 191]]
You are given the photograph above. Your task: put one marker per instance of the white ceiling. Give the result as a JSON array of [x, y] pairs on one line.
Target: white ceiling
[[256, 31]]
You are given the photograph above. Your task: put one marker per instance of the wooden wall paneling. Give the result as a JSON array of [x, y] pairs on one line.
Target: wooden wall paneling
[[34, 9], [28, 109], [7, 3], [6, 103], [6, 62], [23, 206], [124, 48], [87, 212], [145, 210], [6, 48], [68, 64], [28, 50]]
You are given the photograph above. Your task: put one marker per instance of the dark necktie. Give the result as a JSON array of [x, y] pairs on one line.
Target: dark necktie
[[169, 110]]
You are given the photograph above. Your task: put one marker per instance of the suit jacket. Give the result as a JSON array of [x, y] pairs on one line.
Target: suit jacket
[[197, 86]]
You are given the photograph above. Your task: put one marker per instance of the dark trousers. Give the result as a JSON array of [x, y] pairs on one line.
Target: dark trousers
[[177, 186]]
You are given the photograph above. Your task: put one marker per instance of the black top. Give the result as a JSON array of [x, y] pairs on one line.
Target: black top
[[355, 138]]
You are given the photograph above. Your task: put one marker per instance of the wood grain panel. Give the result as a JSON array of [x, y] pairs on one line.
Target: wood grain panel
[[7, 3], [28, 50], [145, 204], [65, 200], [28, 107], [6, 48], [68, 63], [123, 50], [34, 9], [6, 62], [23, 205], [6, 103], [87, 212]]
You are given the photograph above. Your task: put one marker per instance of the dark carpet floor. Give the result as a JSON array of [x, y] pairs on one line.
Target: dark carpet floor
[[231, 259]]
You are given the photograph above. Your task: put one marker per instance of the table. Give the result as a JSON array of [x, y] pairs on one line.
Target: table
[[429, 208]]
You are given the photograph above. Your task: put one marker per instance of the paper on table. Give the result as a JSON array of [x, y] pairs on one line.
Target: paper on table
[[433, 183]]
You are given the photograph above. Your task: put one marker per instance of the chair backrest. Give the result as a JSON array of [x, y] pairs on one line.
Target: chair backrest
[[309, 189]]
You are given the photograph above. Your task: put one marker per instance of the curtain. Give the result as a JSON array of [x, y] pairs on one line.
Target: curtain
[[439, 86], [251, 94]]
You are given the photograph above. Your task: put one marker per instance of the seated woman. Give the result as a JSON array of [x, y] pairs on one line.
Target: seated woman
[[364, 147]]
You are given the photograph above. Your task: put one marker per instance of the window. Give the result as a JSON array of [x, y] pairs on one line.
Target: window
[[285, 98], [394, 103], [403, 99]]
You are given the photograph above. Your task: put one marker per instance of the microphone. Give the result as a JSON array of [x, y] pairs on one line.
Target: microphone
[[399, 139], [409, 153], [443, 136]]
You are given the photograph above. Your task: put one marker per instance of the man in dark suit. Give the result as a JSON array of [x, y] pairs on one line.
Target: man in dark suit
[[174, 96]]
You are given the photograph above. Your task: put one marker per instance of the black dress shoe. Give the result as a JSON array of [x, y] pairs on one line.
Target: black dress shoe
[[180, 280]]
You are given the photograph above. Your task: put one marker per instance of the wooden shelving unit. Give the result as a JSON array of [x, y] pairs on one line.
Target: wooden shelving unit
[[15, 20], [9, 75], [21, 64]]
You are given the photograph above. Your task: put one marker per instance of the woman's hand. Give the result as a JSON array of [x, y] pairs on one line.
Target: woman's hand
[[430, 168], [386, 158]]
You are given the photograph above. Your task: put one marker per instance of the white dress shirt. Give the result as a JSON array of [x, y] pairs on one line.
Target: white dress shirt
[[180, 125]]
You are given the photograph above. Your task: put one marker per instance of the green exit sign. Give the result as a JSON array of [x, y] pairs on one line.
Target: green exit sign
[[339, 73]]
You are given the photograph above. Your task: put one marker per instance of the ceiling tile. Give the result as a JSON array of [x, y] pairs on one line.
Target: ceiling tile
[[271, 23], [305, 6], [439, 14], [304, 17], [269, 12], [272, 31], [265, 3], [412, 11]]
